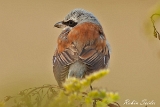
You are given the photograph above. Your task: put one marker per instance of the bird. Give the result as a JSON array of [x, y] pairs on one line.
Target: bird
[[82, 47]]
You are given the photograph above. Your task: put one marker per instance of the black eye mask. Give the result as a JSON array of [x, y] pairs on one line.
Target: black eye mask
[[70, 23]]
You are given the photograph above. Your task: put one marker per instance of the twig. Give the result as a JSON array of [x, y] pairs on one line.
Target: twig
[[156, 33]]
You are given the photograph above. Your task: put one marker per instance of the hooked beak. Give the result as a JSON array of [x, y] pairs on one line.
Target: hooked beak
[[59, 25]]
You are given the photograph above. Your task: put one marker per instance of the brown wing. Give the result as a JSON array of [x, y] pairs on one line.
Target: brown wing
[[94, 59], [62, 60], [91, 44]]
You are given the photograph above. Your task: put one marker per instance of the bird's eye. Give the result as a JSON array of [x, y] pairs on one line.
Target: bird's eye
[[71, 23]]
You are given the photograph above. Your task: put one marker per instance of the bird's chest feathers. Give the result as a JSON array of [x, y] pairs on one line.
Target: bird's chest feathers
[[82, 35]]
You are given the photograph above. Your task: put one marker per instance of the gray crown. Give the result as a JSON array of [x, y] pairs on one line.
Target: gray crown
[[80, 16]]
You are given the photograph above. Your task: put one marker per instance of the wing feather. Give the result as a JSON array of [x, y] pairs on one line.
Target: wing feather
[[94, 59], [62, 60]]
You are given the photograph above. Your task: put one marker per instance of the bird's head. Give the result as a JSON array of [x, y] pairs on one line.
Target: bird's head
[[75, 17]]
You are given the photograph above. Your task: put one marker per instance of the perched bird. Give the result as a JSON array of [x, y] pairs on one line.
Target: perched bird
[[82, 46]]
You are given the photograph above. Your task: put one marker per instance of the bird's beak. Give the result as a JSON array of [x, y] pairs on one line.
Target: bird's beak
[[59, 25]]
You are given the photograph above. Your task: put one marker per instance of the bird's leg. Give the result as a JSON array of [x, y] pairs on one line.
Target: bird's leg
[[94, 102], [91, 87]]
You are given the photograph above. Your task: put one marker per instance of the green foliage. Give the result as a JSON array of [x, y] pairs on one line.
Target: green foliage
[[73, 94]]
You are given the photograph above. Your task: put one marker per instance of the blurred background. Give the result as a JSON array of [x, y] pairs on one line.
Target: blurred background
[[28, 41]]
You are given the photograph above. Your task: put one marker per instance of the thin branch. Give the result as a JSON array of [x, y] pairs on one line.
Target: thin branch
[[156, 33], [47, 86]]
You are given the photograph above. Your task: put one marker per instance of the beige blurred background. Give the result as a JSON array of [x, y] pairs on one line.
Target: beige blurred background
[[28, 41]]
